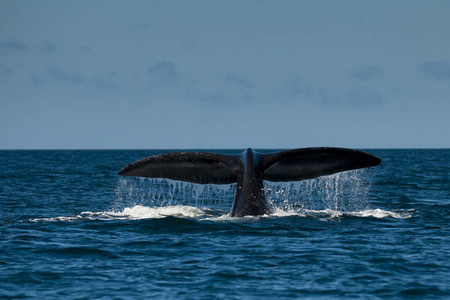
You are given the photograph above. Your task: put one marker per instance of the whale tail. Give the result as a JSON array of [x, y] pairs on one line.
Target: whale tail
[[196, 167], [290, 165], [309, 163]]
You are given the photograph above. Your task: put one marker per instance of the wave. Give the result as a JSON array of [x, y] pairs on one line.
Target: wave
[[379, 213], [366, 213], [138, 212]]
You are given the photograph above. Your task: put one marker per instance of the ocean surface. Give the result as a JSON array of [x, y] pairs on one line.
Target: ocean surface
[[71, 228]]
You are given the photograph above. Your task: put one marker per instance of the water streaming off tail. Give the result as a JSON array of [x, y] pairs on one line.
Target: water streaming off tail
[[338, 193], [154, 192], [342, 192]]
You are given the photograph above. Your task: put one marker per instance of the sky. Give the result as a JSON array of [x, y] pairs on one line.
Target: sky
[[224, 74]]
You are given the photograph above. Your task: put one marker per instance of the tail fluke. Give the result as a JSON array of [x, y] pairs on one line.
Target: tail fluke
[[308, 163], [290, 165], [249, 169], [196, 167]]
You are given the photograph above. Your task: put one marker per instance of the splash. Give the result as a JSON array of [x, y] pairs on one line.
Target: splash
[[381, 214], [338, 193], [145, 212], [132, 191], [137, 212], [331, 214], [345, 193]]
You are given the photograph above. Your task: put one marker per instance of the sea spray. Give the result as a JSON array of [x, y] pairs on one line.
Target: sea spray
[[156, 192], [338, 193]]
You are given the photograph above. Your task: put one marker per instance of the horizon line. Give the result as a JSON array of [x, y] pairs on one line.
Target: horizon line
[[189, 149]]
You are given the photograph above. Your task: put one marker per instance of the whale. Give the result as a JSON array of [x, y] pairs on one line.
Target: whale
[[250, 169]]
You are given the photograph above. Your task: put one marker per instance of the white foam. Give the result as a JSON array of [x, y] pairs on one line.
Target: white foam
[[379, 213], [286, 212], [134, 213], [330, 213], [57, 219], [144, 212]]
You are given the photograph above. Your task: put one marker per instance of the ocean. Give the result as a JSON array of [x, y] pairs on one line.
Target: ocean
[[71, 228]]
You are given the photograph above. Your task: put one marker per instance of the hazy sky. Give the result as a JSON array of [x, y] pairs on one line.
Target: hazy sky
[[224, 74]]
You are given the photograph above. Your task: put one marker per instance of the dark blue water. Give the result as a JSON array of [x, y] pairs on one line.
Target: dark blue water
[[71, 228]]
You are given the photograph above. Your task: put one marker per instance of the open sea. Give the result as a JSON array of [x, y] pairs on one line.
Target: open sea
[[71, 228]]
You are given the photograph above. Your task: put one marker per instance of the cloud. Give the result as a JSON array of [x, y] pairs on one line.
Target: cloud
[[297, 87], [105, 84], [247, 97], [35, 77], [85, 49], [356, 99], [436, 69], [368, 73], [65, 76], [5, 70], [362, 99], [49, 47], [141, 25], [13, 45], [164, 72], [324, 96], [238, 81], [216, 98]]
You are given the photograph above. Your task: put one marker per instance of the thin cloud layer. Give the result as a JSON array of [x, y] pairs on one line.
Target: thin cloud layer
[[104, 84], [13, 45], [215, 98], [437, 70], [238, 81], [49, 47], [5, 70], [298, 87], [324, 96], [65, 75], [164, 72], [368, 73], [353, 99], [364, 99]]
